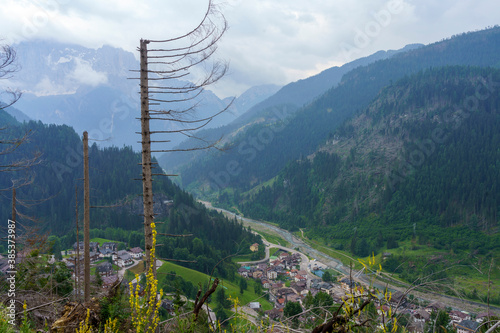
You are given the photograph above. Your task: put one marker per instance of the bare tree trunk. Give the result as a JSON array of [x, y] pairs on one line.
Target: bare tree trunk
[[77, 260], [86, 215], [147, 182], [173, 59]]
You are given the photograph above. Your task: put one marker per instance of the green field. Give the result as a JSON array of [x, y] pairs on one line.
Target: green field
[[242, 258], [343, 256], [196, 277], [274, 238], [465, 278], [102, 240]]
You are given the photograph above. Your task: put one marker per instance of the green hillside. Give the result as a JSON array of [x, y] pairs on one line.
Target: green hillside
[[258, 154], [47, 201], [168, 270], [419, 167]]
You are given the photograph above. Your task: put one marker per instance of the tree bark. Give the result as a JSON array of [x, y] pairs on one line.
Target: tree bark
[[86, 216], [147, 181]]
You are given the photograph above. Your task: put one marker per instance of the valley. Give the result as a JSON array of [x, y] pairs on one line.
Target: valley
[[363, 198], [382, 281]]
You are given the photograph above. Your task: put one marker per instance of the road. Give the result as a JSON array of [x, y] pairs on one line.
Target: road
[[304, 262], [454, 302]]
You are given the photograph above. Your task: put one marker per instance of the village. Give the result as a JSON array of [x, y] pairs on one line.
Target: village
[[286, 276], [287, 279], [109, 262]]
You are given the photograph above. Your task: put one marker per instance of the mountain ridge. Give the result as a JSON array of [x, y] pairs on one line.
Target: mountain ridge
[[310, 126]]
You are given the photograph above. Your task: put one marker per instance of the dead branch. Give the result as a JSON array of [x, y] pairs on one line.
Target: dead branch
[[198, 305]]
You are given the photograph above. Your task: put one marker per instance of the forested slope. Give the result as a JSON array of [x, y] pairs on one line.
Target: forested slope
[[115, 198], [422, 161], [286, 140]]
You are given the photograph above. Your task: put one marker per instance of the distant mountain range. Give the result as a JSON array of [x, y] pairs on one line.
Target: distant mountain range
[[88, 89]]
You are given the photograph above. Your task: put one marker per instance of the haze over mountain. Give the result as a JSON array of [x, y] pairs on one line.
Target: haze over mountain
[[289, 98], [88, 89]]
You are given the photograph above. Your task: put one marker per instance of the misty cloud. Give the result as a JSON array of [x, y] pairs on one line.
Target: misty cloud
[[268, 41], [84, 74]]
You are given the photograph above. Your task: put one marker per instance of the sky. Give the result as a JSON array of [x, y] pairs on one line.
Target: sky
[[268, 41]]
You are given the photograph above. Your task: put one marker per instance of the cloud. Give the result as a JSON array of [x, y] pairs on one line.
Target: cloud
[[46, 87], [269, 41], [84, 74]]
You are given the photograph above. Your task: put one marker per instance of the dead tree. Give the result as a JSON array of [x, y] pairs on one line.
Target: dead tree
[[164, 97], [77, 260], [7, 68], [86, 217], [7, 98]]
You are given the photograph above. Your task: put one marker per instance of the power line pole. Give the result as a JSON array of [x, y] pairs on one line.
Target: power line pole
[[86, 216]]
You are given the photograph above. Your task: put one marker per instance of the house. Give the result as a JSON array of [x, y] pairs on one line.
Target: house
[[109, 246], [68, 263], [280, 303], [319, 273], [257, 274], [277, 285], [94, 246], [458, 316], [105, 269], [254, 247], [293, 272], [416, 327], [106, 253], [275, 262], [327, 288], [262, 267], [398, 299], [421, 316], [254, 305], [436, 307], [482, 316], [299, 278], [283, 292], [317, 284], [348, 284], [136, 252], [265, 284], [293, 298], [124, 259], [243, 271], [466, 326], [383, 310], [108, 281], [283, 255], [272, 274], [299, 287], [168, 305], [94, 256], [274, 314]]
